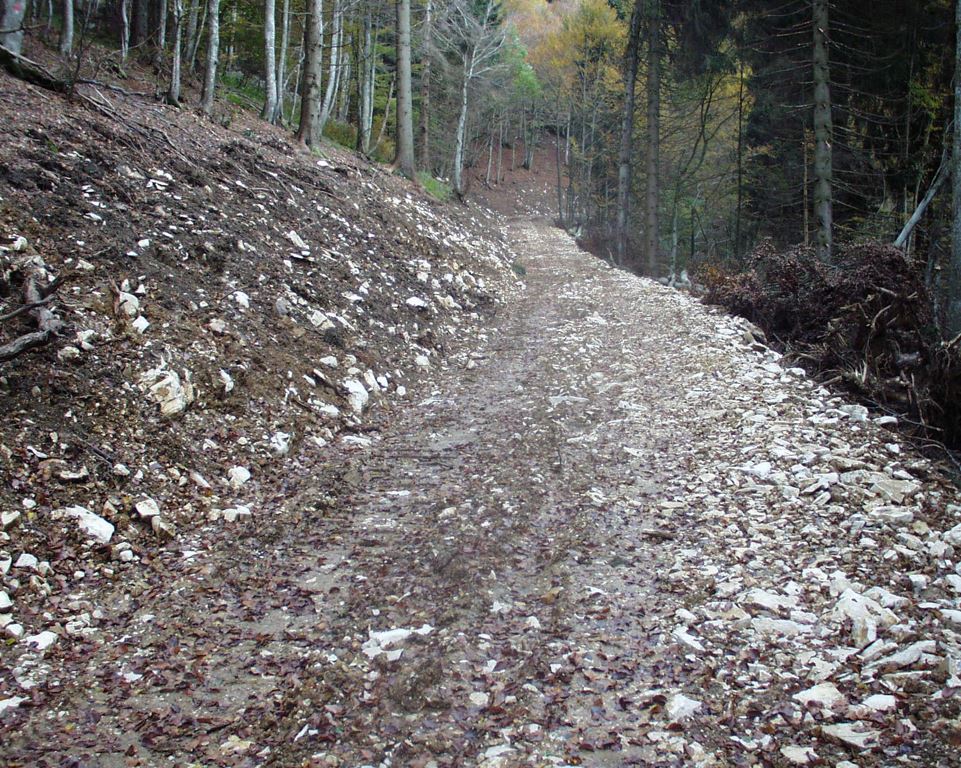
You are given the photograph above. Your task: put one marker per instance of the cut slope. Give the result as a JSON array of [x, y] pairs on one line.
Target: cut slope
[[230, 301]]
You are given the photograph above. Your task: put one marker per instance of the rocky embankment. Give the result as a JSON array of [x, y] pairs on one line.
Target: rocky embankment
[[230, 305]]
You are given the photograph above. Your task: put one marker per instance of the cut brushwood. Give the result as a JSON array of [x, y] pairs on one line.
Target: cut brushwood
[[36, 298]]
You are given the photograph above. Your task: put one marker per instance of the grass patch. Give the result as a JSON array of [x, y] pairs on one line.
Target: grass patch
[[341, 133], [436, 188]]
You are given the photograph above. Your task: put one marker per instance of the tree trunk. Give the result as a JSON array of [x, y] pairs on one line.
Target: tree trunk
[[460, 136], [281, 86], [173, 93], [627, 136], [651, 233], [365, 74], [383, 122], [270, 58], [313, 61], [423, 131], [66, 34], [823, 174], [190, 43], [500, 149], [343, 100], [952, 283], [405, 124], [740, 158], [141, 19], [124, 32], [805, 204], [333, 71], [213, 51], [557, 157], [11, 24], [939, 179], [161, 28]]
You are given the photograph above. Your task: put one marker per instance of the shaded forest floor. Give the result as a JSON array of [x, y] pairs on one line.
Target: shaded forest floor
[[413, 510]]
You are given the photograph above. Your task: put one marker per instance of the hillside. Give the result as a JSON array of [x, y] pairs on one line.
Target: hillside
[[231, 306]]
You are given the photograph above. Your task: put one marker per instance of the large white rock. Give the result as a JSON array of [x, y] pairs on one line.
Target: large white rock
[[147, 508], [756, 600], [856, 735], [128, 304], [91, 523], [379, 642], [953, 536], [769, 627], [679, 708], [168, 390], [5, 602], [865, 614], [237, 476], [27, 562], [357, 395], [681, 635], [824, 695], [42, 640], [12, 703], [906, 657], [796, 755]]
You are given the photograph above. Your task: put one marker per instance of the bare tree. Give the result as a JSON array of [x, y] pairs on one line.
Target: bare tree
[[270, 53], [367, 70], [282, 64], [333, 69], [173, 93], [124, 32], [476, 36], [213, 52]]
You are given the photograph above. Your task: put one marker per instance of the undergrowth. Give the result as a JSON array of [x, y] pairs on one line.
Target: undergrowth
[[434, 187]]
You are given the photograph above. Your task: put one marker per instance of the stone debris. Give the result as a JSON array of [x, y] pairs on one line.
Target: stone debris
[[383, 642]]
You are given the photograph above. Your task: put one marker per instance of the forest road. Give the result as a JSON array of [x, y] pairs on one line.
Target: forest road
[[541, 563]]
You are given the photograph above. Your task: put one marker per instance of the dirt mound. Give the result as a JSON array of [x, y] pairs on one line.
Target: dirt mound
[[866, 323], [229, 303]]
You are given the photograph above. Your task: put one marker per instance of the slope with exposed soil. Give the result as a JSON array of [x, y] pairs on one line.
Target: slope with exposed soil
[[231, 306]]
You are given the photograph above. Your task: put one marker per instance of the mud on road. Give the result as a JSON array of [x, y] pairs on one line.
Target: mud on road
[[620, 536]]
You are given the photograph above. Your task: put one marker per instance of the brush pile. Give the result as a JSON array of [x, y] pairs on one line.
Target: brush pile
[[867, 323]]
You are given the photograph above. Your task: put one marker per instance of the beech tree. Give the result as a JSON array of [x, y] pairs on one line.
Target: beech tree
[[405, 106], [213, 52]]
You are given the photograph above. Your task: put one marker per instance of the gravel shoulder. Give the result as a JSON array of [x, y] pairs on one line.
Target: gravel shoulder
[[621, 532]]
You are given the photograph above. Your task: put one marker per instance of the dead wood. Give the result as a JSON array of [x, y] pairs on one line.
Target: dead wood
[[26, 69], [36, 298]]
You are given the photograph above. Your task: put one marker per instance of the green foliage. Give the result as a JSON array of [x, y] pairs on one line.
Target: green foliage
[[341, 133], [436, 188]]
